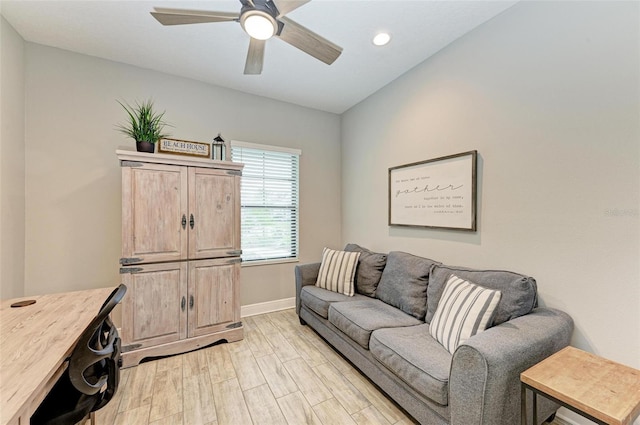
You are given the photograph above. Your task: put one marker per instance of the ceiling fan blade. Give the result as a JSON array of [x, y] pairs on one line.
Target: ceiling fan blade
[[308, 41], [255, 57], [286, 6], [182, 16]]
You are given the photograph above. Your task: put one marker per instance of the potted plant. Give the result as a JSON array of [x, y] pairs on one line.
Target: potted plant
[[144, 125]]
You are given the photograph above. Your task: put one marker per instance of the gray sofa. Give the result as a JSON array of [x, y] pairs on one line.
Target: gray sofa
[[384, 331]]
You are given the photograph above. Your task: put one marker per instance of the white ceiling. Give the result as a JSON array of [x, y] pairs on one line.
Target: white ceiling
[[215, 53]]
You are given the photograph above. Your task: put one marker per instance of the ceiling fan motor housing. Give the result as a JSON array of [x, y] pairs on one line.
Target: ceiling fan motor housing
[[266, 6]]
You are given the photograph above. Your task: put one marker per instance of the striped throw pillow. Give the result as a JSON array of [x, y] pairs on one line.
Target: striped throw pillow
[[464, 310], [337, 271]]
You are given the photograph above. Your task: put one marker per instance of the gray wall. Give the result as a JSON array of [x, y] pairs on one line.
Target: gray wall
[[11, 162], [548, 93], [73, 199]]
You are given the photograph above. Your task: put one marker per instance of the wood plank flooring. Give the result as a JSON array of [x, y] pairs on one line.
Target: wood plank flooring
[[282, 373]]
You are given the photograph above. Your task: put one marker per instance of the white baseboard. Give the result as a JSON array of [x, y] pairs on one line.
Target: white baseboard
[[267, 307]]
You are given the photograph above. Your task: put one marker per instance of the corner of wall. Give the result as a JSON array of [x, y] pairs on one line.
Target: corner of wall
[[12, 161]]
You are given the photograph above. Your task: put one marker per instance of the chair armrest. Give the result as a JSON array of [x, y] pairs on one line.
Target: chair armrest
[[306, 274], [484, 382]]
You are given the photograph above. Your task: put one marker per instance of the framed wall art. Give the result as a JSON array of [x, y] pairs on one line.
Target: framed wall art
[[439, 193]]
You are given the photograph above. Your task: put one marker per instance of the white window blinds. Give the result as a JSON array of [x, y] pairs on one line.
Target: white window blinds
[[269, 201]]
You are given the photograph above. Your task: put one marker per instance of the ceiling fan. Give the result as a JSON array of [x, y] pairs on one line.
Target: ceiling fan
[[261, 19]]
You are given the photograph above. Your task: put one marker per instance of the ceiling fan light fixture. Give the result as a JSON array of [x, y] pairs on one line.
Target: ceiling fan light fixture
[[259, 25]]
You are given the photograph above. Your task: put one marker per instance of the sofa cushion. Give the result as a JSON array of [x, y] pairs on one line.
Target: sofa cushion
[[519, 292], [319, 300], [337, 271], [416, 358], [358, 319], [370, 267], [464, 310], [404, 283]]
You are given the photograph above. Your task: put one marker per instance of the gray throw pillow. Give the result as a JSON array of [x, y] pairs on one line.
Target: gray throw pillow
[[369, 271], [404, 283], [519, 292]]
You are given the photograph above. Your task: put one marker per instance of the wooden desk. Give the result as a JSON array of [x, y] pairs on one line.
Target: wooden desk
[[603, 391], [35, 341]]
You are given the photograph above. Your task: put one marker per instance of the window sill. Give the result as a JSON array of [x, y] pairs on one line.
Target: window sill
[[269, 262]]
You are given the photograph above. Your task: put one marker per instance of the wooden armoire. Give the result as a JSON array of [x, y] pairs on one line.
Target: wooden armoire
[[180, 253]]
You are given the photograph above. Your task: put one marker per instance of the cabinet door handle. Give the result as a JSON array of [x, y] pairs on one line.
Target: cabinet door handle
[[192, 221], [191, 302], [183, 303], [184, 221]]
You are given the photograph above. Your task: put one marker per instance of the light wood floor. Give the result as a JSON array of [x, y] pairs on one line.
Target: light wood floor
[[281, 373]]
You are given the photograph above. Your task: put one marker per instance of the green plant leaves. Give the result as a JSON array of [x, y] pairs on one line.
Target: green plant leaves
[[143, 124]]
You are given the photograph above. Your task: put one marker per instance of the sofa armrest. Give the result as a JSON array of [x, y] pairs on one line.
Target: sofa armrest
[[484, 382], [306, 274]]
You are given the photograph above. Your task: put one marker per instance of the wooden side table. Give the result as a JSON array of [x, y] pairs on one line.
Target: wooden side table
[[601, 390]]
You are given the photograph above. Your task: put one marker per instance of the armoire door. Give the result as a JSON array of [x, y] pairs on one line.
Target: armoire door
[[213, 295], [154, 213], [214, 213], [154, 310]]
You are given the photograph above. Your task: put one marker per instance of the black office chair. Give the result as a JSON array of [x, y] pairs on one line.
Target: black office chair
[[92, 377]]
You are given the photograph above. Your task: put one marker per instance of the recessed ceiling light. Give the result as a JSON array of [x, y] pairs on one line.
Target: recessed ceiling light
[[381, 39]]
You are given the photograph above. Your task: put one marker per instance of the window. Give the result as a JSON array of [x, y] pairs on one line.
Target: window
[[269, 201]]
